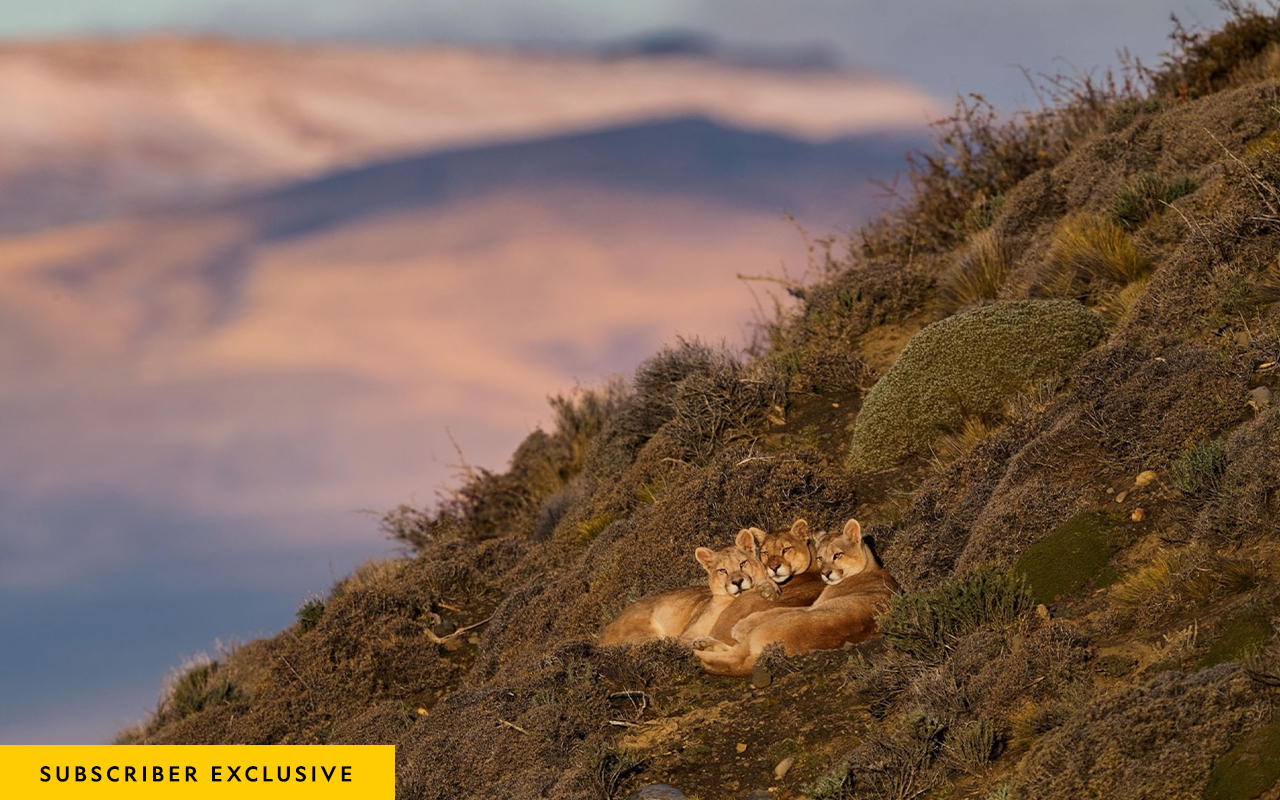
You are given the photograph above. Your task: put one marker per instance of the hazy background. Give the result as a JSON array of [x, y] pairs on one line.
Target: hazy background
[[248, 284]]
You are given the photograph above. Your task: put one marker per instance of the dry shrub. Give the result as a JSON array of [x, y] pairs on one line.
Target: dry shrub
[[1204, 62], [1247, 501], [1147, 195], [1162, 735]]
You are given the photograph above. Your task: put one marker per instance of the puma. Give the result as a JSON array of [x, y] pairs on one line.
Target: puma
[[857, 588], [691, 612]]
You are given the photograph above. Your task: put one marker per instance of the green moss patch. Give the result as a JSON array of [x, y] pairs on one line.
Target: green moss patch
[[1248, 769], [965, 366], [1248, 632], [1073, 555]]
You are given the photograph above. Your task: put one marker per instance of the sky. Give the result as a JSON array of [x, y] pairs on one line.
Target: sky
[[958, 46], [942, 48]]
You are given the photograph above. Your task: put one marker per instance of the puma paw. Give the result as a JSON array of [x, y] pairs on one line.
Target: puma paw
[[768, 590], [706, 643]]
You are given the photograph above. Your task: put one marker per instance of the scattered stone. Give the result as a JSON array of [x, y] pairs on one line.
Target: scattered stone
[[422, 711], [1243, 338], [1145, 478], [784, 766], [742, 747], [451, 644], [657, 791], [1259, 398], [1137, 514], [1110, 490], [1120, 497], [760, 677], [1042, 611], [473, 639]]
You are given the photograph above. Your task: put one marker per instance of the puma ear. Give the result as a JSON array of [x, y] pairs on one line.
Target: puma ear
[[800, 528], [705, 556], [853, 530], [757, 536]]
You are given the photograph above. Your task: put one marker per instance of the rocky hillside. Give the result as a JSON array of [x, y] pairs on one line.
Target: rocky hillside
[[1045, 386]]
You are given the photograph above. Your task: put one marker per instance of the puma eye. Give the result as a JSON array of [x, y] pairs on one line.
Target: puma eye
[[820, 558], [786, 550], [836, 557], [722, 571], [743, 564]]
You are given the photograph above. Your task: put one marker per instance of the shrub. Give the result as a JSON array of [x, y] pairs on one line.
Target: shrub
[[969, 365], [309, 614], [927, 623], [979, 272], [1089, 253], [1069, 557]]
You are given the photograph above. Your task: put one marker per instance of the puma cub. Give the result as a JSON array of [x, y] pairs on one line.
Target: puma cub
[[857, 588], [693, 611]]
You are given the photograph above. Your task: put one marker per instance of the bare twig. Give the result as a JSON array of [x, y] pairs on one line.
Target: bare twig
[[431, 635], [513, 726]]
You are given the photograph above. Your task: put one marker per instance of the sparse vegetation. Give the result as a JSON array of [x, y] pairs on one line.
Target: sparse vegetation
[[928, 623], [1089, 254], [1147, 195], [980, 271]]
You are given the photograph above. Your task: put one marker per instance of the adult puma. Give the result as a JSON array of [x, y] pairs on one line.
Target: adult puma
[[787, 556], [692, 611], [858, 587]]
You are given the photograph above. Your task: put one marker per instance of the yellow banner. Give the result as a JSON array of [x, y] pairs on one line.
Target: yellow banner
[[32, 772]]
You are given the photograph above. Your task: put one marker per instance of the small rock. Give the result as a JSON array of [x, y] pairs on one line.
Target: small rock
[[742, 747], [444, 628], [657, 791], [760, 677], [784, 766], [451, 644], [1145, 478], [1243, 338], [1259, 398], [422, 711], [1120, 497], [835, 405], [1137, 514], [1110, 490], [1042, 611], [473, 639]]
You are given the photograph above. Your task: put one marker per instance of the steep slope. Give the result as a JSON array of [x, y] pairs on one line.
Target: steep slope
[[1090, 568]]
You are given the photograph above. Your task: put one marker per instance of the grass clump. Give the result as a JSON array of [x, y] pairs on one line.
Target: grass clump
[[196, 688], [1068, 558], [1147, 196], [927, 623], [1199, 471], [1088, 254], [1249, 768], [837, 784], [589, 529], [969, 365], [979, 272]]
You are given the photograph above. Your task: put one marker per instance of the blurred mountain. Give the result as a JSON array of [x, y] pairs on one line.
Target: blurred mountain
[[94, 128]]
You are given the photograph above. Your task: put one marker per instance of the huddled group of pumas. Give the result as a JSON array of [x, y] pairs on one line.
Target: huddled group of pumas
[[808, 592]]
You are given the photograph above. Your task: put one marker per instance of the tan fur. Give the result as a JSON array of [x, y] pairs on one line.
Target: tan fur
[[691, 612], [857, 588], [789, 553]]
